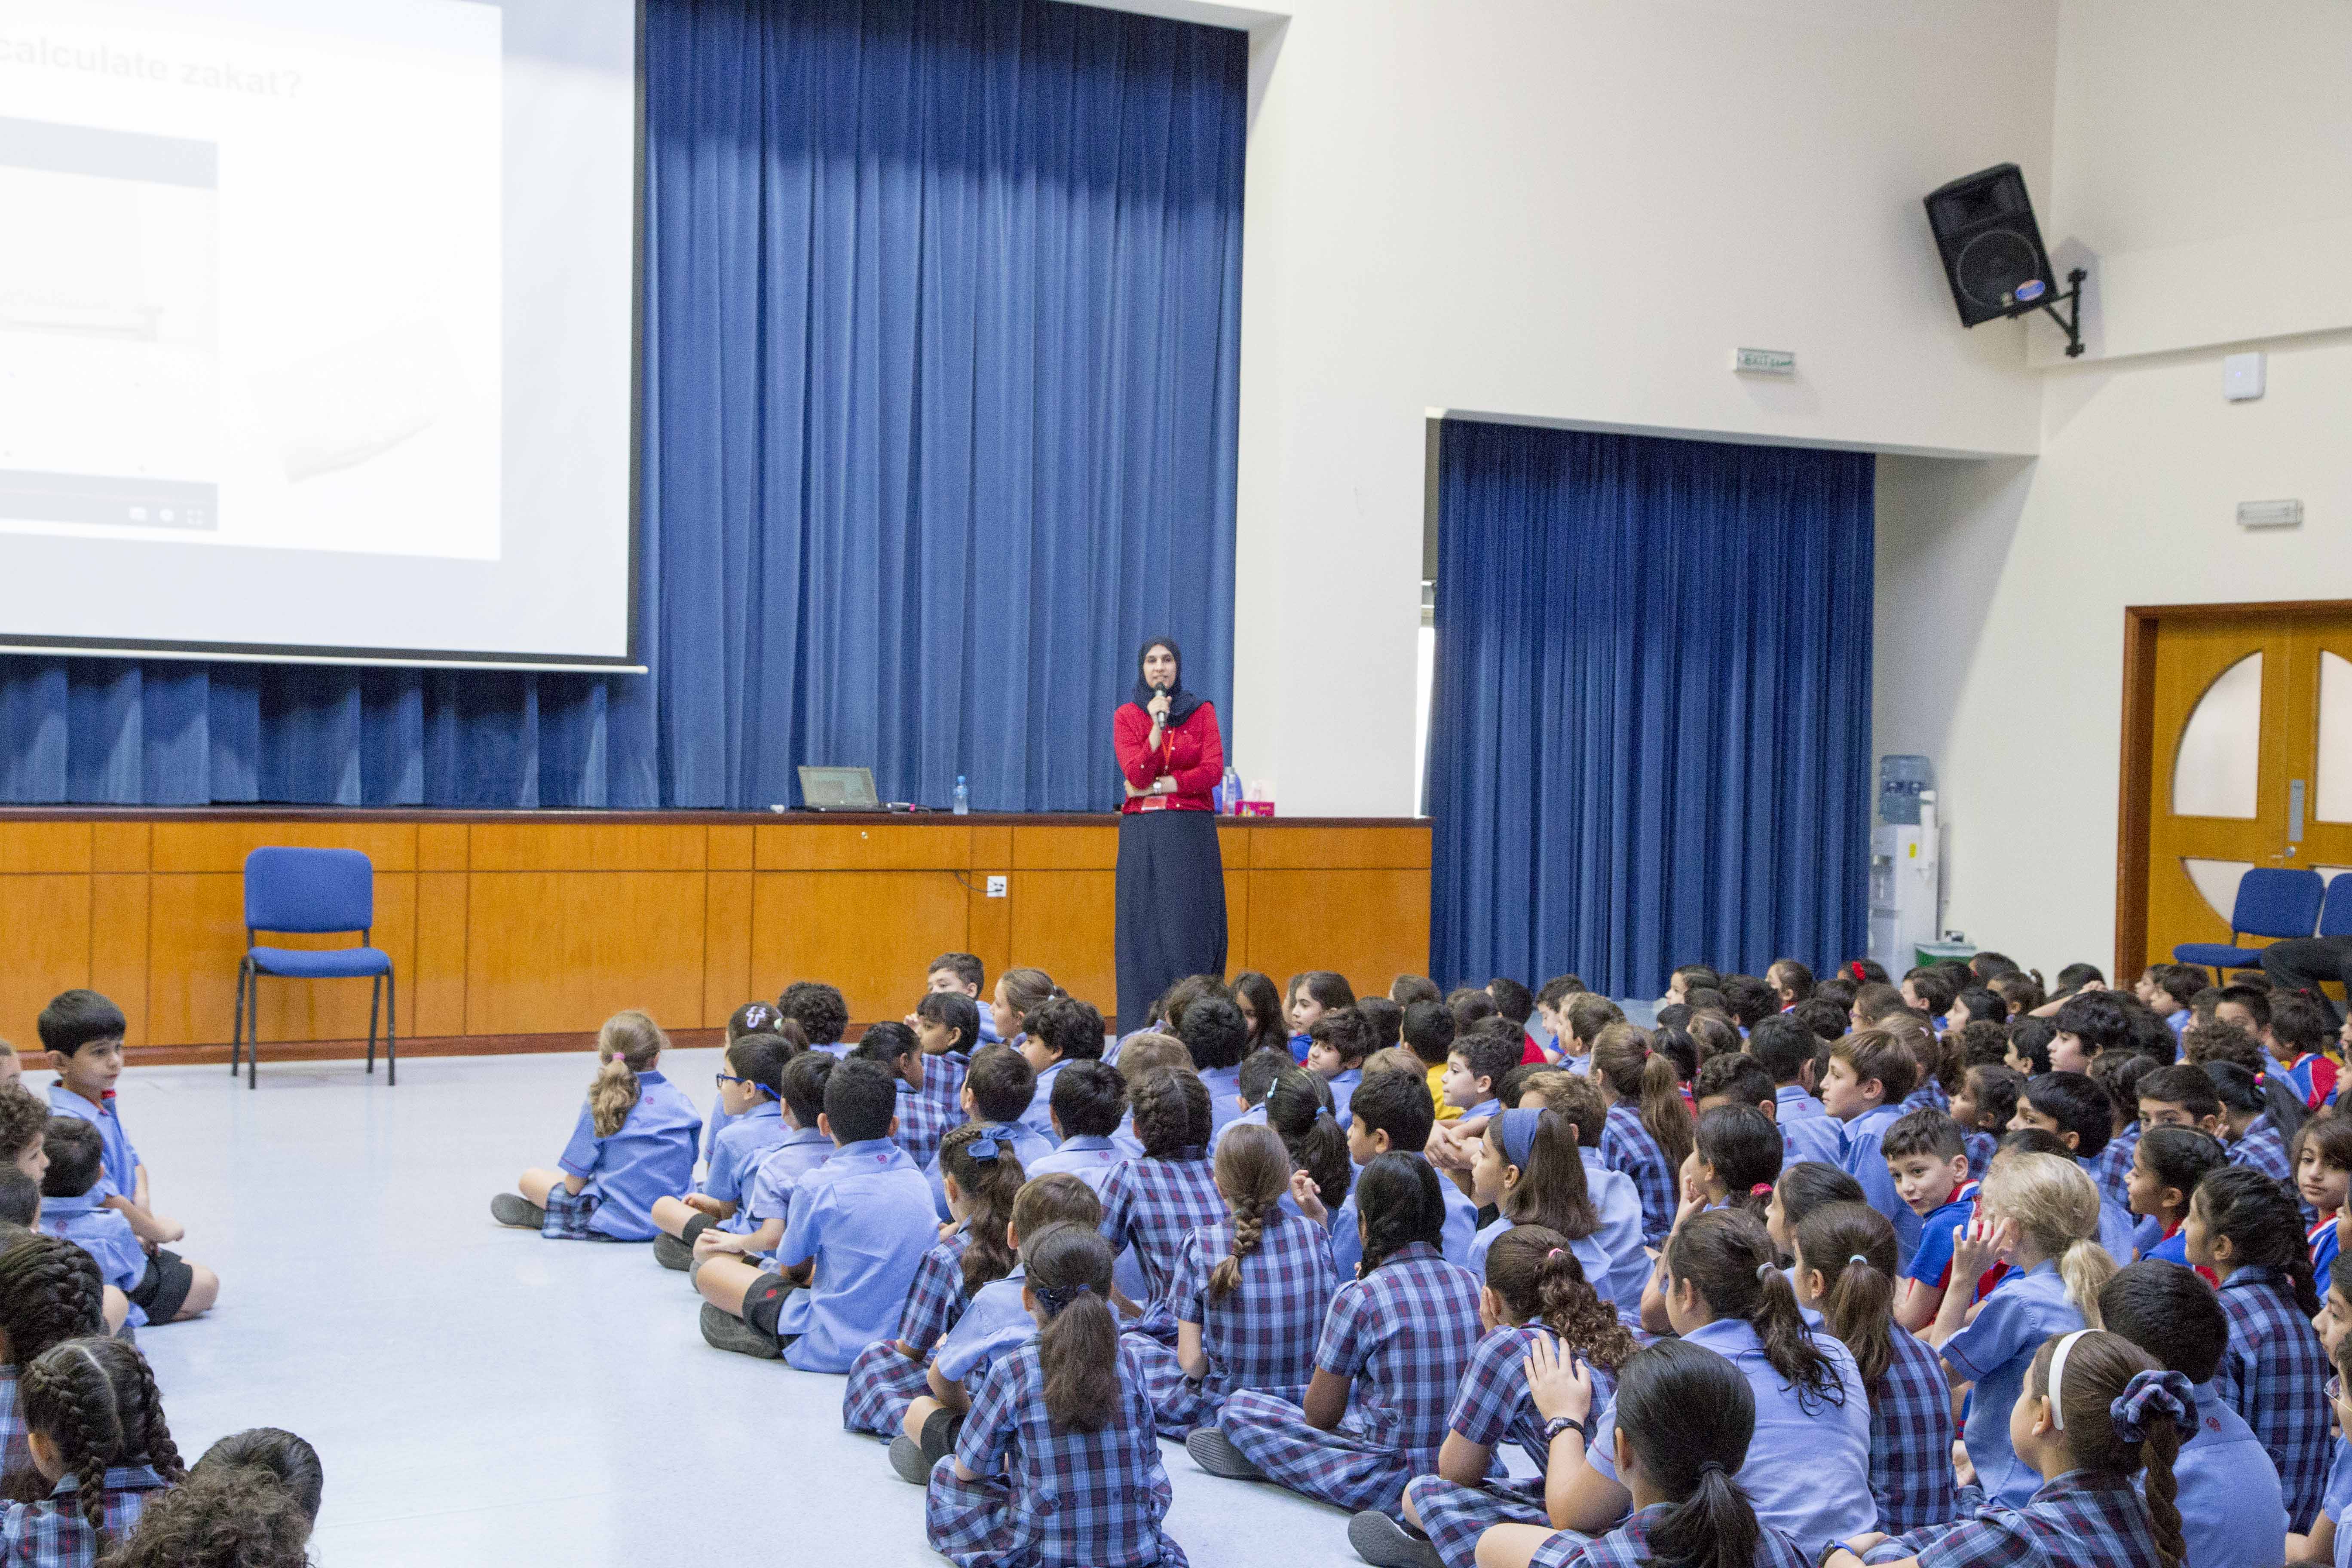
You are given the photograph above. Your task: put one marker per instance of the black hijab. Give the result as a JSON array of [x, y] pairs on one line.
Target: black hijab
[[1180, 702]]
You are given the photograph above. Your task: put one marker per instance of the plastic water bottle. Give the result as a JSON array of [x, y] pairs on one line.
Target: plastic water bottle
[[1229, 793], [963, 797]]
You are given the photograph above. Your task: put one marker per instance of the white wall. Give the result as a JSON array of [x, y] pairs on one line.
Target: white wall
[[1572, 211], [2002, 588]]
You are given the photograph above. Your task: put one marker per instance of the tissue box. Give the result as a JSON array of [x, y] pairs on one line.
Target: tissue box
[[1257, 808]]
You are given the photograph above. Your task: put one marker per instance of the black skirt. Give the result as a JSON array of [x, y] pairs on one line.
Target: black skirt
[[1172, 906]]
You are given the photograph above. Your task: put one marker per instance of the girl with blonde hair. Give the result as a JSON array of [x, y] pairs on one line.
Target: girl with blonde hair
[[633, 1145]]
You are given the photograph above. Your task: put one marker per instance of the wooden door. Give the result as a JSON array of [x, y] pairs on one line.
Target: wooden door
[[2250, 763]]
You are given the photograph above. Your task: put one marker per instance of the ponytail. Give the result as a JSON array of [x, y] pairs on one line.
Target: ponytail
[[2119, 1412], [1068, 1274], [1399, 1204], [628, 1043], [1298, 1107], [2054, 1205], [1253, 1172], [991, 1184], [2263, 1225], [1623, 1058], [1538, 1280], [1743, 1147], [1727, 1258], [1853, 1247], [1689, 1416], [2086, 1267]]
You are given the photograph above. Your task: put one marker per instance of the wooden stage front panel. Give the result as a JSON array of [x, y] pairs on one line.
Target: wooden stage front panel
[[544, 923]]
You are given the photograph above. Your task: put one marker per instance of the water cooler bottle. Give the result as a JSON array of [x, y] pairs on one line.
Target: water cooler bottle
[[1904, 908]]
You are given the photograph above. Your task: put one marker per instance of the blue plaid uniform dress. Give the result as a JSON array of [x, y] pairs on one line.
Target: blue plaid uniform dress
[[1627, 1147], [1153, 1205], [2079, 1520], [52, 1533], [2262, 1148], [1050, 1499], [1628, 1546], [1493, 1405], [568, 1214], [884, 1380], [2112, 1170], [1929, 1096], [1403, 1337], [1911, 1439], [1261, 1336], [927, 1114], [1980, 1151], [2274, 1375]]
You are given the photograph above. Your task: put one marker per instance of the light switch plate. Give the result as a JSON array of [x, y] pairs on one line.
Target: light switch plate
[[2241, 377]]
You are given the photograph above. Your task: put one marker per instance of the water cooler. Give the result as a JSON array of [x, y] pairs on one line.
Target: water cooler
[[1905, 905]]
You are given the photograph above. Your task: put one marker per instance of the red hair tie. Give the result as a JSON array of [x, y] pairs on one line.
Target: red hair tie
[[1759, 1189]]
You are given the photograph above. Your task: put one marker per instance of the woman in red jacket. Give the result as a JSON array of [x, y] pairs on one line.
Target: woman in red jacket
[[1172, 880]]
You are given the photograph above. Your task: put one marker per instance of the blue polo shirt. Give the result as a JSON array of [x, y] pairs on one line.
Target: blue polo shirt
[[1993, 1352], [1807, 1132], [735, 1158], [864, 1217], [121, 1159], [105, 1234], [1225, 1087], [1039, 1117], [1254, 1117], [1865, 1164], [1932, 1264], [1343, 1090], [1090, 1159], [770, 1195], [2232, 1508], [1618, 1202], [650, 1157], [994, 1324], [1487, 1107]]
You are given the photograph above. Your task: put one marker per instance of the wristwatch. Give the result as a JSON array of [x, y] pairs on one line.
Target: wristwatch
[[1559, 1424]]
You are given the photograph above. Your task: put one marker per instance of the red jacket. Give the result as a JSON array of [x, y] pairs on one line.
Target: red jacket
[[1193, 753]]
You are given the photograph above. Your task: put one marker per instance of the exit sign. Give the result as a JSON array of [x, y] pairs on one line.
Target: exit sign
[[1763, 362]]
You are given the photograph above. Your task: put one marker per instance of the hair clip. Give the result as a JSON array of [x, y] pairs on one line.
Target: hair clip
[[1759, 1189]]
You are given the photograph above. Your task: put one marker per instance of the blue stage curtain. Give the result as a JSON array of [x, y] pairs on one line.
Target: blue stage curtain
[[942, 327], [1650, 734]]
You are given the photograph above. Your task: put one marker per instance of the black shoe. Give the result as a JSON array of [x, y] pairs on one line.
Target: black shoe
[[1384, 1543], [1214, 1452], [723, 1330], [514, 1209], [906, 1459], [672, 1253]]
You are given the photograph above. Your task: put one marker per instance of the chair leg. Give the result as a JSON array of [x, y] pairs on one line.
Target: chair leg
[[236, 1028], [391, 1030], [253, 1046], [376, 1007]]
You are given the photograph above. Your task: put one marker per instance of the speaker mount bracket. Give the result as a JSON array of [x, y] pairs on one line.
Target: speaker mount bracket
[[2071, 323]]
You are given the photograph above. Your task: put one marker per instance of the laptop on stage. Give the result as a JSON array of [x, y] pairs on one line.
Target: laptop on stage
[[838, 789]]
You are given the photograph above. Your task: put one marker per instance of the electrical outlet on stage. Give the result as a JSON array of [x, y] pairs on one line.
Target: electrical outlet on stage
[[996, 886]]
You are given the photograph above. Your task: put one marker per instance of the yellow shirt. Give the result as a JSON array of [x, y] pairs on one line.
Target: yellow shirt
[[1437, 1096]]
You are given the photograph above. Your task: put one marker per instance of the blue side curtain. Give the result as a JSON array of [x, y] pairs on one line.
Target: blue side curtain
[[1649, 733], [943, 324]]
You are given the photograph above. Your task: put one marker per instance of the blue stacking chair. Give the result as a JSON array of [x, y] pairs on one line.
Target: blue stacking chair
[[311, 891], [2271, 902], [2336, 912]]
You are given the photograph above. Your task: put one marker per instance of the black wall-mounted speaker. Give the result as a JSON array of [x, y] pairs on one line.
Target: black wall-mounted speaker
[[1990, 245]]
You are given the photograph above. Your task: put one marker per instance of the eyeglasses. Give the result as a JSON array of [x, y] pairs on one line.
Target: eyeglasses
[[723, 1078], [2335, 1390]]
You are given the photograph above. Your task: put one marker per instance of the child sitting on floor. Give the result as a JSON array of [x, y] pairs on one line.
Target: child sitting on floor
[[995, 1323], [768, 1198], [821, 1012], [1405, 1328], [1338, 1044], [2166, 1165], [633, 1145], [1474, 1070], [751, 1093], [82, 1032], [1984, 1107], [1256, 1075], [984, 1178], [1154, 1203], [99, 1447], [50, 1293], [859, 1227], [1393, 1116], [948, 1025], [161, 1287], [1930, 1162], [1063, 1031], [1869, 1075], [1089, 1101], [1058, 1464], [997, 1090], [2322, 1174]]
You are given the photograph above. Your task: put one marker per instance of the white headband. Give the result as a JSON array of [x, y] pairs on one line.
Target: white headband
[[2057, 1390]]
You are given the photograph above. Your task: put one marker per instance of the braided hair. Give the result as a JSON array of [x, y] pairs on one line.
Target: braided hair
[[2106, 1436], [49, 1290], [1252, 1173], [95, 1399]]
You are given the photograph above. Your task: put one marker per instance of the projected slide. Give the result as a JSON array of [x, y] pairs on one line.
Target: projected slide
[[250, 285]]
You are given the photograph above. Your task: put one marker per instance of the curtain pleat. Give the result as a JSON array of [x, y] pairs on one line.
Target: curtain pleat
[[941, 351], [1650, 733]]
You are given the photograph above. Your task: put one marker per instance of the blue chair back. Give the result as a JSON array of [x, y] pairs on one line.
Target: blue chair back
[[308, 890], [2335, 913], [2277, 902]]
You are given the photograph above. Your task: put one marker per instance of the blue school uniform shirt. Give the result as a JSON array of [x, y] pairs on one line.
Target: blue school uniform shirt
[[993, 1324], [1484, 1107], [1090, 1158], [2233, 1509], [1225, 1087], [1808, 1469], [1619, 1205], [770, 1194], [1932, 1264], [1993, 1352], [650, 1157], [2323, 1243], [1460, 1229], [121, 1159], [743, 1142], [2117, 1226], [1589, 1253], [1343, 1092], [105, 1234], [1299, 1046], [1039, 1117], [713, 1125], [1807, 1132], [1865, 1164], [1254, 1117], [1027, 1147], [865, 1218]]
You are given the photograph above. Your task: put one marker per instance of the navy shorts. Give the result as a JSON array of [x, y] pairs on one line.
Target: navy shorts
[[163, 1289]]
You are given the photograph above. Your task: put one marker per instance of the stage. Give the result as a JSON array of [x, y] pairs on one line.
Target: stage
[[523, 931]]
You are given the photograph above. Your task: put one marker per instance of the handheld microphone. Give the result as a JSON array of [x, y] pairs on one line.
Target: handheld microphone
[[1158, 690]]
